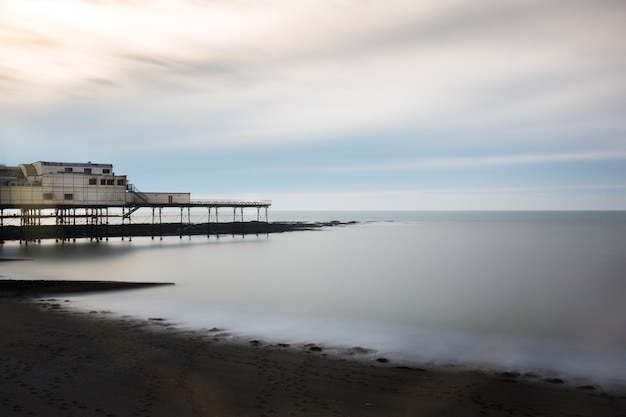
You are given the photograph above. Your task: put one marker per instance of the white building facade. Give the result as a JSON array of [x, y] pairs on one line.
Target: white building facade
[[53, 184]]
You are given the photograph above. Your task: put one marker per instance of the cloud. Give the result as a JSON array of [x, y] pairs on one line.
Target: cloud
[[427, 85], [471, 162], [557, 197], [485, 161]]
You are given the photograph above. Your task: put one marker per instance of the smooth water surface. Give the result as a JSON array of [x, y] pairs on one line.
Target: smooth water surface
[[539, 292]]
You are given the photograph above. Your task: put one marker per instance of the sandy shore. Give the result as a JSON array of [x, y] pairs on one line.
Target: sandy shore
[[58, 362]]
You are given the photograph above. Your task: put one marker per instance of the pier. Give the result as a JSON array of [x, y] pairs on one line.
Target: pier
[[98, 222], [66, 201]]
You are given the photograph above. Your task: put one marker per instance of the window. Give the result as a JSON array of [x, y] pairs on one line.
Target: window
[[69, 169], [120, 182], [92, 181], [48, 196], [106, 171], [68, 196], [110, 182], [87, 170], [103, 182]]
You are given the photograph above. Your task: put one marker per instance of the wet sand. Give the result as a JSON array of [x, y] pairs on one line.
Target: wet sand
[[60, 362]]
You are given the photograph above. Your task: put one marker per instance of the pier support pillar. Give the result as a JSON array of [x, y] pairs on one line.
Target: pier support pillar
[[74, 225], [189, 231], [152, 227], [243, 225], [181, 223], [160, 223], [208, 223]]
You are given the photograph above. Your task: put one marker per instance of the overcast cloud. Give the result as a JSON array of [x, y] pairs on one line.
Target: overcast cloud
[[326, 98]]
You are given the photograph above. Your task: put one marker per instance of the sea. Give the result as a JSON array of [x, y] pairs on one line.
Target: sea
[[539, 293]]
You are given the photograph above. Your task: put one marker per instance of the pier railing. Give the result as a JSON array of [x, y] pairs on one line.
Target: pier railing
[[231, 203]]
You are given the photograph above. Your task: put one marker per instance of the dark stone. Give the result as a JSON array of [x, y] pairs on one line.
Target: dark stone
[[554, 380], [357, 350], [23, 287]]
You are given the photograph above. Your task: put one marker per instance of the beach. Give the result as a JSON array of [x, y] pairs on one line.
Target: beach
[[60, 362]]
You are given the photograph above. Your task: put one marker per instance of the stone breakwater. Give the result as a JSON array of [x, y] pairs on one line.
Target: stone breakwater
[[11, 287], [30, 233]]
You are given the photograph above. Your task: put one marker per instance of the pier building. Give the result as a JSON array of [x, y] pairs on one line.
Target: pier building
[[65, 200]]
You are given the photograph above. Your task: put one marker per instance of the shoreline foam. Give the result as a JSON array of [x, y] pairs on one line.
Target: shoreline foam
[[62, 362]]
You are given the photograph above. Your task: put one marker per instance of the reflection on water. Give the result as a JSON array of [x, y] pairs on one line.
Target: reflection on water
[[530, 292]]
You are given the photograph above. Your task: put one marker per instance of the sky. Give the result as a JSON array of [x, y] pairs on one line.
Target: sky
[[327, 104]]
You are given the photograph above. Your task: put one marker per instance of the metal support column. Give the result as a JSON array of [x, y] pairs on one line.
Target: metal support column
[[74, 226], [181, 223], [243, 225], [89, 223], [22, 232], [38, 226], [152, 228], [217, 224], [208, 223], [160, 223], [189, 222]]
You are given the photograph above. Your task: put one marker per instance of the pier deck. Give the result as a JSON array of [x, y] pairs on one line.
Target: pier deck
[[65, 222]]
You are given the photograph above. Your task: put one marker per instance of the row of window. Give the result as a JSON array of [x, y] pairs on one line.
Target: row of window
[[88, 170], [94, 181], [50, 196]]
